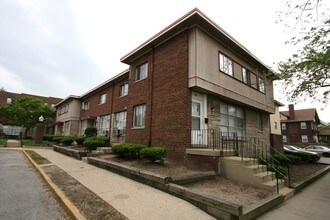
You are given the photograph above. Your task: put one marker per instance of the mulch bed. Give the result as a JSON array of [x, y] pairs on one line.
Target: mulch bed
[[302, 171]]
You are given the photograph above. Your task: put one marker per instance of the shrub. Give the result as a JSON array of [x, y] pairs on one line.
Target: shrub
[[80, 140], [57, 139], [306, 157], [91, 132], [92, 143], [154, 153], [278, 170], [105, 140], [129, 151], [283, 159], [67, 141], [46, 137]]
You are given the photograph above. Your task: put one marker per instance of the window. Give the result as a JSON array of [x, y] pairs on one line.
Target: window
[[260, 125], [85, 105], [9, 100], [141, 72], [261, 85], [315, 139], [275, 125], [63, 109], [139, 116], [226, 64], [104, 125], [283, 126], [123, 90], [119, 127], [304, 138], [285, 139], [246, 76], [303, 125], [232, 119], [102, 98]]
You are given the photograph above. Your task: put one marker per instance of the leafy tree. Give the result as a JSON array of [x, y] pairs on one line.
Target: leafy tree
[[26, 112], [307, 72]]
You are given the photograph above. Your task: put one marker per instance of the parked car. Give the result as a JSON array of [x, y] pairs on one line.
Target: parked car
[[289, 149], [320, 150]]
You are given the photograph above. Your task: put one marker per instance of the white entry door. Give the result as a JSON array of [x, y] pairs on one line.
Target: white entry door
[[198, 135]]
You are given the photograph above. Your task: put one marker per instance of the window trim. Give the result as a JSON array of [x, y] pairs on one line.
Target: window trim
[[135, 126], [121, 93], [235, 117], [303, 127], [221, 66], [105, 98], [302, 139], [247, 78], [283, 127], [286, 139], [264, 85], [137, 69]]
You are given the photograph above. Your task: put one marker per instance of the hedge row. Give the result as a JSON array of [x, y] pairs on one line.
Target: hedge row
[[305, 157], [91, 143], [133, 151]]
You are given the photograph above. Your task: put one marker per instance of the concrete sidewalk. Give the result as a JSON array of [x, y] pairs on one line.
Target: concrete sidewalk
[[133, 199]]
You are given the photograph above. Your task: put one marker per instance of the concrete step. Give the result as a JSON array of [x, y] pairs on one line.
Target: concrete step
[[265, 176], [13, 143], [257, 168]]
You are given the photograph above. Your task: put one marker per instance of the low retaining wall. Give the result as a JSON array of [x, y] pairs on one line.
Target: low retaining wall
[[214, 207], [70, 152]]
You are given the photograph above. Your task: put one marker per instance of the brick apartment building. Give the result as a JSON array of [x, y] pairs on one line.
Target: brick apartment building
[[189, 79], [7, 97], [300, 127]]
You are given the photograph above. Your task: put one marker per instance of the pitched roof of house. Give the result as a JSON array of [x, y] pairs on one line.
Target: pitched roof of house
[[303, 115], [324, 132], [193, 18]]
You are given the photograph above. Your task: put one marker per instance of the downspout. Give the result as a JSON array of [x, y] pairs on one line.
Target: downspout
[[151, 95]]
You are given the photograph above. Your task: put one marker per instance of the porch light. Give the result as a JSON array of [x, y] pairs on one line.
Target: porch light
[[41, 118]]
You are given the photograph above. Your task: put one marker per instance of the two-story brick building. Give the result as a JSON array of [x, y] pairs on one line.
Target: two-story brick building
[[299, 127], [186, 81]]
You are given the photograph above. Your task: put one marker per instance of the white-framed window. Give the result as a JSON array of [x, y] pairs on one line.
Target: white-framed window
[[261, 85], [303, 125], [9, 101], [141, 72], [226, 64], [63, 109], [283, 126], [260, 124], [119, 127], [315, 139], [275, 125], [139, 116], [232, 119], [102, 98], [123, 90], [104, 125], [284, 138], [246, 76], [304, 138], [85, 105]]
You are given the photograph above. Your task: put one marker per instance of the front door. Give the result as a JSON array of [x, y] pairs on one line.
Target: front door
[[198, 135]]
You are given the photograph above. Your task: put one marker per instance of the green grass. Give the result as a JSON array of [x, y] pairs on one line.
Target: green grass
[[31, 143], [2, 142]]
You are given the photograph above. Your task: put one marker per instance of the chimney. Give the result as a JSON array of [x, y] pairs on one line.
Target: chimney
[[291, 112]]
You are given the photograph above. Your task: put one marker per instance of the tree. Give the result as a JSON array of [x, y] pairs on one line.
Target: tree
[[26, 112], [307, 72]]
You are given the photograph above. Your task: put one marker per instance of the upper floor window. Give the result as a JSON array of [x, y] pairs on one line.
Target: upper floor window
[[283, 126], [141, 72], [226, 64], [284, 138], [246, 76], [123, 90], [261, 85], [9, 100], [85, 105], [63, 109], [303, 125], [275, 125], [102, 98], [139, 116]]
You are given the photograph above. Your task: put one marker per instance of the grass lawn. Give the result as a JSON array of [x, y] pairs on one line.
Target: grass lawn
[[30, 143], [2, 142]]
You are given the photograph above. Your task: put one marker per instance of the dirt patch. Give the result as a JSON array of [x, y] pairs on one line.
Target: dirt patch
[[302, 171], [88, 203]]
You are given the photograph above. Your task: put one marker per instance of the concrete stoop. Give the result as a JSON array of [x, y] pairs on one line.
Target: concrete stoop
[[13, 143], [248, 171]]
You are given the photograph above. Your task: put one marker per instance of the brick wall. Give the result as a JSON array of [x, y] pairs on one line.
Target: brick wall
[[293, 133], [202, 162]]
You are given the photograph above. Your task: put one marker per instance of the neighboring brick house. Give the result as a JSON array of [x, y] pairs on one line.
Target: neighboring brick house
[[7, 97], [68, 116], [299, 127], [186, 81]]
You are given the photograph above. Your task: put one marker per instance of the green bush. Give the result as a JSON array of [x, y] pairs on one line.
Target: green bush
[[80, 140], [91, 132], [154, 153], [92, 143], [129, 151], [283, 159], [306, 157], [50, 137], [105, 140], [57, 139], [278, 170], [67, 141]]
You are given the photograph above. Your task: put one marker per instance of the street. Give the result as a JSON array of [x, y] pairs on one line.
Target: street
[[23, 194]]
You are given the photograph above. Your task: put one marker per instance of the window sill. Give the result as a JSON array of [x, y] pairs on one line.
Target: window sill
[[136, 81], [138, 128], [123, 96]]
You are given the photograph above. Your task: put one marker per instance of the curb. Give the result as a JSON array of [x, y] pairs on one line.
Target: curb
[[68, 205]]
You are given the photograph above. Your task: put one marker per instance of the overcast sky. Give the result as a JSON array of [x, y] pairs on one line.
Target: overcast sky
[[66, 47]]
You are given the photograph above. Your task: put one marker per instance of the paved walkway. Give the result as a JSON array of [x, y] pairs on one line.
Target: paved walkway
[[131, 198], [311, 203]]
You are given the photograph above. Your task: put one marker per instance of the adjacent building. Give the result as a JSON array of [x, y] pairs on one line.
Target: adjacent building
[[300, 127], [185, 83]]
